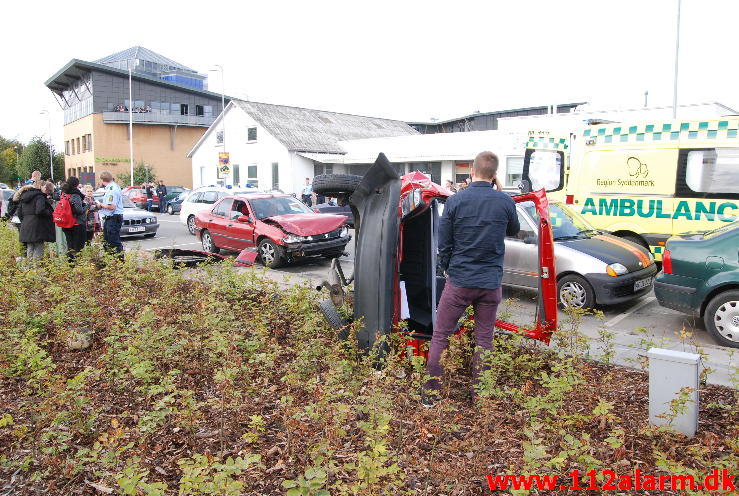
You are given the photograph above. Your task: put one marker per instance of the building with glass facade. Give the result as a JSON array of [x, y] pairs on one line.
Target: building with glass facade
[[170, 109]]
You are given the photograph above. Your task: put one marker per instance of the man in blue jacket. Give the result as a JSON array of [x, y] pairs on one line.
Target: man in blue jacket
[[472, 235]]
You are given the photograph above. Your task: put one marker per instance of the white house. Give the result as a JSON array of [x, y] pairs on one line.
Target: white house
[[277, 147]]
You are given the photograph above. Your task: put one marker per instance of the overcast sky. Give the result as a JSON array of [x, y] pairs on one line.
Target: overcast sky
[[398, 59]]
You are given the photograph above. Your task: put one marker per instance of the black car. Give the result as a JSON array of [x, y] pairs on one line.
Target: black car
[[175, 204], [332, 208]]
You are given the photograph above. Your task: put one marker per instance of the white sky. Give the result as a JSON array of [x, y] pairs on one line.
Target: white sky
[[408, 60]]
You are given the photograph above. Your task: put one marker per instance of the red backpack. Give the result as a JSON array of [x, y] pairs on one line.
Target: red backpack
[[63, 216]]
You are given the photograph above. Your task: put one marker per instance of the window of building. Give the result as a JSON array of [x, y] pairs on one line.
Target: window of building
[[208, 111], [89, 143], [251, 134], [219, 137], [236, 174], [183, 109], [275, 175], [513, 171], [175, 107], [713, 171], [199, 111], [251, 175], [84, 143], [79, 150], [66, 147]]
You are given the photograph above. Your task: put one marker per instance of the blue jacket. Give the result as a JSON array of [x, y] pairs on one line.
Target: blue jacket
[[472, 235]]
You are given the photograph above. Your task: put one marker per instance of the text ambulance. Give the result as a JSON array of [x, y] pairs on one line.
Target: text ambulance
[[642, 181]]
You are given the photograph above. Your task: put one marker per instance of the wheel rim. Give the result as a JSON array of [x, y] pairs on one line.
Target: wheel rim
[[191, 224], [573, 294], [268, 253], [207, 242], [170, 210], [726, 320]]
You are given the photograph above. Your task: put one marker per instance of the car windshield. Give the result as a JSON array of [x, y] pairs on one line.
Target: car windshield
[[566, 223], [269, 207], [127, 203]]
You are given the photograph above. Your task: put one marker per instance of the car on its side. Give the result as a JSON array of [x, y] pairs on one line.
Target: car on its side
[[280, 227], [174, 205], [593, 266], [700, 277], [136, 221], [203, 198], [334, 208]]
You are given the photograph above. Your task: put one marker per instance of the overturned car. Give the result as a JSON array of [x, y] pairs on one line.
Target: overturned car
[[396, 221]]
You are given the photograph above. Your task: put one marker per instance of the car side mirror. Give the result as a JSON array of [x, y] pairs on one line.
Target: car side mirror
[[243, 218], [529, 240]]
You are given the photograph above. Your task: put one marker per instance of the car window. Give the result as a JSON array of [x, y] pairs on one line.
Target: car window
[[566, 223], [238, 208], [526, 230], [194, 198], [269, 207], [223, 207], [209, 197], [182, 196]]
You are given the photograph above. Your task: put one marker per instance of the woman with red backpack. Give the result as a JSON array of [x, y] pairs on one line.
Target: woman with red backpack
[[77, 233]]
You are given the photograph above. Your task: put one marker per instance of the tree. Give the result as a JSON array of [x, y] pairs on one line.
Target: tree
[[142, 173], [35, 156], [8, 162], [59, 166]]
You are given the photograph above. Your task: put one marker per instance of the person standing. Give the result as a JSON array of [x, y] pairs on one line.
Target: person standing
[[149, 196], [472, 235], [91, 216], [450, 186], [77, 234], [162, 194], [111, 211], [307, 193], [35, 212]]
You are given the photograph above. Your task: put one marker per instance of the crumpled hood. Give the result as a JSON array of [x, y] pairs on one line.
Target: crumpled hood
[[611, 249], [308, 224]]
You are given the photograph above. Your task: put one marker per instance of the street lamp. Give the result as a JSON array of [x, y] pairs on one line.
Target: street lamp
[[51, 154], [223, 103]]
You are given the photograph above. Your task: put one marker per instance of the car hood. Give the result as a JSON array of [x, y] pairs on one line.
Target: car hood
[[307, 224], [136, 213], [611, 249]]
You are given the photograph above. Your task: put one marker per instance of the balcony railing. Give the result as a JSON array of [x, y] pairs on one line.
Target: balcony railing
[[155, 118]]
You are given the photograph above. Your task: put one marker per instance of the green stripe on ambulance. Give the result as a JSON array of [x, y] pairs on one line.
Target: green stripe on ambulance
[[626, 207]]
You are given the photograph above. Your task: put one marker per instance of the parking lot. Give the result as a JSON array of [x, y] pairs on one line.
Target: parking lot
[[635, 324]]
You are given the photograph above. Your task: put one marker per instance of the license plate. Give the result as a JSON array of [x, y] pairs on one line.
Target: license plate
[[136, 229], [643, 283]]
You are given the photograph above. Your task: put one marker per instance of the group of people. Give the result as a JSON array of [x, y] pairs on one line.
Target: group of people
[[161, 191], [32, 207]]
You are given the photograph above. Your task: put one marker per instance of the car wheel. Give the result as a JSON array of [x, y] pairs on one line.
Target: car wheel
[[335, 184], [191, 224], [271, 254], [722, 318], [170, 210], [208, 244], [575, 292], [335, 321]]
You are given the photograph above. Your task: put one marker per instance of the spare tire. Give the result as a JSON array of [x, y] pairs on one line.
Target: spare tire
[[337, 323], [335, 184]]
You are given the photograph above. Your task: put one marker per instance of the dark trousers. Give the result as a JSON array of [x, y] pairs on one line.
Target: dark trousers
[[112, 233], [76, 237], [162, 204], [454, 301], [149, 203], [308, 200]]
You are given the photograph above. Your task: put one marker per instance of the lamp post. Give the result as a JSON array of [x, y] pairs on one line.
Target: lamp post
[[223, 104], [130, 122], [51, 154], [677, 52]]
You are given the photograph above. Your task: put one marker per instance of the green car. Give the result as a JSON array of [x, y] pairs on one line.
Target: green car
[[700, 276]]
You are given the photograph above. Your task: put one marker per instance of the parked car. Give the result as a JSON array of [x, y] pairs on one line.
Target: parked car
[[173, 192], [5, 195], [395, 258], [334, 208], [593, 267], [700, 277], [281, 228], [137, 194], [204, 198], [174, 205], [3, 186], [136, 222]]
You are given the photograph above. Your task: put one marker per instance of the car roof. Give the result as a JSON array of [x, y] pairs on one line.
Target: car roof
[[258, 196]]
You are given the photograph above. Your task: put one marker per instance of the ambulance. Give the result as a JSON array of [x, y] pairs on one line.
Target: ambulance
[[642, 181]]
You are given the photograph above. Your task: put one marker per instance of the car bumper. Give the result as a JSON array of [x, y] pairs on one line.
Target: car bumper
[[306, 249], [676, 296], [135, 230], [611, 290]]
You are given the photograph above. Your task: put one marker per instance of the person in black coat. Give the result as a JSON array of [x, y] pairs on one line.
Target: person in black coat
[[77, 234], [35, 213]]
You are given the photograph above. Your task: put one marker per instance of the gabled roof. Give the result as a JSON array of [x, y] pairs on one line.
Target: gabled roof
[[309, 130], [139, 52]]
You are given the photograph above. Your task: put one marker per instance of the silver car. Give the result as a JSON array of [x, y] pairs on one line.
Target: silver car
[[136, 222], [593, 266]]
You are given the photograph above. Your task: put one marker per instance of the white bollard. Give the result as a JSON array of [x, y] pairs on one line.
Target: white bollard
[[669, 372]]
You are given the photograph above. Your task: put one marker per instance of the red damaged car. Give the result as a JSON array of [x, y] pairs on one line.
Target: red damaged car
[[280, 227], [396, 221]]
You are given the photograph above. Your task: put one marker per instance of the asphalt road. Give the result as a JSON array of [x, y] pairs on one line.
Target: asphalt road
[[660, 326]]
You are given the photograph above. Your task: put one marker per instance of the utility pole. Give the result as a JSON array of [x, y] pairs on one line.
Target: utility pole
[[677, 58], [130, 122], [646, 98]]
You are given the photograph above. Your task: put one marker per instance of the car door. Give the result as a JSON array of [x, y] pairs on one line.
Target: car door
[[521, 263], [217, 222], [241, 233]]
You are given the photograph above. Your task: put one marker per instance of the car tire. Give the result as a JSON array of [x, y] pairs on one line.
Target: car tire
[[335, 321], [191, 224], [335, 184], [271, 254], [170, 209], [722, 318], [209, 245], [574, 290]]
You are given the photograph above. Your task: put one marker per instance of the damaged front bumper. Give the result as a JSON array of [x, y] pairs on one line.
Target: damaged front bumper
[[315, 247]]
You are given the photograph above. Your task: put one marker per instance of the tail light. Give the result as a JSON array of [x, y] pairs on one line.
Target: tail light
[[667, 262], [570, 199]]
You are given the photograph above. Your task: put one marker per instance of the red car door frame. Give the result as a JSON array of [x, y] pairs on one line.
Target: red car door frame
[[217, 224], [241, 234]]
